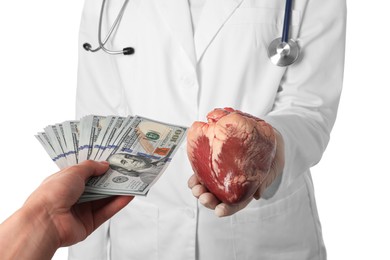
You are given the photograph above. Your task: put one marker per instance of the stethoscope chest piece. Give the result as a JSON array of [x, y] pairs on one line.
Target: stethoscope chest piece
[[283, 53]]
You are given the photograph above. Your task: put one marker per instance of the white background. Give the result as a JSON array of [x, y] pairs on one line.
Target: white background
[[38, 63]]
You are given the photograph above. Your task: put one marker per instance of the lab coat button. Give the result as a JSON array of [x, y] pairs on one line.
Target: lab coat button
[[190, 212], [188, 81]]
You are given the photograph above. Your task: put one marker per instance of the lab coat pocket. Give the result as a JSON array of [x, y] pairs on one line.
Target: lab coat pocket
[[133, 230], [266, 21], [262, 15], [284, 229]]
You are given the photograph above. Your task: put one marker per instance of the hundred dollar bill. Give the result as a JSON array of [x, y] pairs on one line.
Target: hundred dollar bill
[[61, 137], [44, 139], [90, 128], [141, 157], [65, 144], [122, 127], [106, 125], [54, 140], [72, 135], [91, 196]]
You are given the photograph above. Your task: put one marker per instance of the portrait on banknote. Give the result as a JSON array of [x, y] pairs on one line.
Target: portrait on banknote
[[136, 166]]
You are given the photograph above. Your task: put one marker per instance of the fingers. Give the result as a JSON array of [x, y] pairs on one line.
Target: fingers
[[208, 200], [195, 186], [224, 210], [199, 191], [192, 181]]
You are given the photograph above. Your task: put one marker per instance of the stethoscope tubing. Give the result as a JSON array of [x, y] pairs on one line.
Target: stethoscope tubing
[[115, 24], [113, 27], [287, 21]]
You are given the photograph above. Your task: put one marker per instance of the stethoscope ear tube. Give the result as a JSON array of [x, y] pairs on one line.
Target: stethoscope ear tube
[[284, 51], [126, 51]]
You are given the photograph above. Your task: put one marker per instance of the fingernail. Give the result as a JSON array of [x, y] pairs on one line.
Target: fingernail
[[220, 211]]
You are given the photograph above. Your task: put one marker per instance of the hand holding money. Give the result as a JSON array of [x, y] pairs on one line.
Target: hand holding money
[[50, 217], [138, 150]]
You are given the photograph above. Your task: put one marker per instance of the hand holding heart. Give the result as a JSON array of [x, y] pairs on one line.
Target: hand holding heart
[[235, 157]]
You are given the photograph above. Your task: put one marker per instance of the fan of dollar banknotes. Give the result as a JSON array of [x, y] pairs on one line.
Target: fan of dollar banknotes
[[138, 150]]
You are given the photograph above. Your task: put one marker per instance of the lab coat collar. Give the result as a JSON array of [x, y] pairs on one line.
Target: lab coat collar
[[214, 14], [178, 16]]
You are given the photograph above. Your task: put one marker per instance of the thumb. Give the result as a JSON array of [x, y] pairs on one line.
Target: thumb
[[89, 168]]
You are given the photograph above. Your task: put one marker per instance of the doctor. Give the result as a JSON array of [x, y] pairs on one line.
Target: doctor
[[191, 57]]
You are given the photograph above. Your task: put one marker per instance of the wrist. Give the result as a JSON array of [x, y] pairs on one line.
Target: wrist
[[28, 234], [279, 159]]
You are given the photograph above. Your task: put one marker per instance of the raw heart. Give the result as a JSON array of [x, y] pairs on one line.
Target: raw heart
[[231, 154]]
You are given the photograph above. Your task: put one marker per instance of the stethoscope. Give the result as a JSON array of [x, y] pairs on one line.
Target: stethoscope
[[284, 51], [281, 51]]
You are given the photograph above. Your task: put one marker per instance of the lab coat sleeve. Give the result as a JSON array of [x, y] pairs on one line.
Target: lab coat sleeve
[[305, 108]]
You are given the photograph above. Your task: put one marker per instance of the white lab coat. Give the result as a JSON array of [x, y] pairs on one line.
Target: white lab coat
[[178, 77]]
